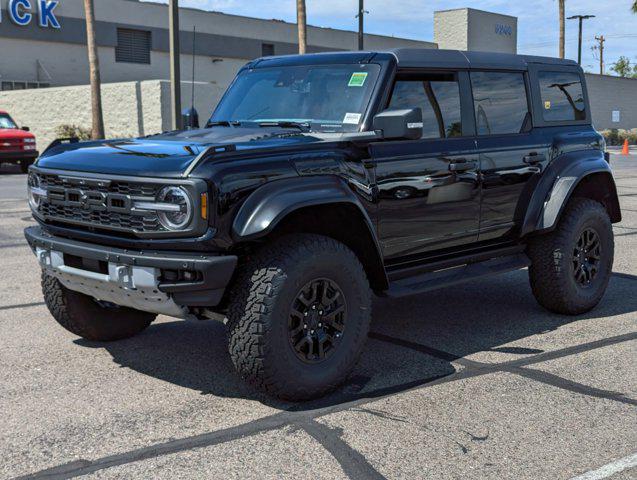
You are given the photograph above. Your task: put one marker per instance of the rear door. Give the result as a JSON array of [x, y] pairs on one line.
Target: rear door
[[511, 153], [428, 188]]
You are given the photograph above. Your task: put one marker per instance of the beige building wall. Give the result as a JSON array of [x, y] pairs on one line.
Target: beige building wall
[[475, 30], [131, 109]]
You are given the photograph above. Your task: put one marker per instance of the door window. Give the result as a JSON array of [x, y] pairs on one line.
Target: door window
[[500, 102], [439, 98], [562, 97]]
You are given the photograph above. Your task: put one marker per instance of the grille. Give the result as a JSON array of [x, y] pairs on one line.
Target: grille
[[146, 222], [11, 144]]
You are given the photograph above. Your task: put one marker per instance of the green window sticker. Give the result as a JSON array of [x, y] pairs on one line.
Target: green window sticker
[[357, 79]]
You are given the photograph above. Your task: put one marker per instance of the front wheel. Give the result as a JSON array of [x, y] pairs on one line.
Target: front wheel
[[299, 316], [24, 164], [88, 318], [571, 266]]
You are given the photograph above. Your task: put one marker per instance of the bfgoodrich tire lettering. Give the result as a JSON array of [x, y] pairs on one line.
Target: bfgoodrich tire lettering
[[555, 280], [260, 309], [83, 316]]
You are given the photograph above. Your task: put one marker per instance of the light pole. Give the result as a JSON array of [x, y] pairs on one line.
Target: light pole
[[175, 73], [579, 45]]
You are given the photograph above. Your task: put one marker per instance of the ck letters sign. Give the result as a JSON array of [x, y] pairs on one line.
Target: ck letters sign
[[22, 12]]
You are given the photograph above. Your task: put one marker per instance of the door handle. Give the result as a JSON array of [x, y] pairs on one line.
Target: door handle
[[533, 158], [461, 165]]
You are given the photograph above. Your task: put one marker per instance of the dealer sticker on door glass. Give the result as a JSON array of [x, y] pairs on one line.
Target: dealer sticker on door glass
[[357, 79], [352, 118]]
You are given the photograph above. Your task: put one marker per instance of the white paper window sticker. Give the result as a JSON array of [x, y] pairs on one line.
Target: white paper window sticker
[[352, 118]]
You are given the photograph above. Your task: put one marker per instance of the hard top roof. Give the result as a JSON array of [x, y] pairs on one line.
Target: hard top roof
[[422, 57], [417, 58]]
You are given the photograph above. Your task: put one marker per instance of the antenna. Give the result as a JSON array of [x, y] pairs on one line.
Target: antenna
[[192, 94]]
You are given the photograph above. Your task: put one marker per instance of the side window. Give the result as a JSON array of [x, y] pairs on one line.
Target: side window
[[439, 98], [562, 96], [500, 102]]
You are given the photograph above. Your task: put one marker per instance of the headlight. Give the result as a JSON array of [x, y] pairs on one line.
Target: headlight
[[35, 192], [29, 140], [179, 216]]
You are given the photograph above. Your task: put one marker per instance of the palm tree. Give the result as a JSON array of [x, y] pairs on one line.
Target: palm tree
[[302, 25], [634, 7], [562, 9], [94, 72]]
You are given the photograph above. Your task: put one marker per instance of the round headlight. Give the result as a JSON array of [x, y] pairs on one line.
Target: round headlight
[[34, 191], [180, 216]]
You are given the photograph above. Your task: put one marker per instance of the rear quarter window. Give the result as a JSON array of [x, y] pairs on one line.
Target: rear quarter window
[[562, 96]]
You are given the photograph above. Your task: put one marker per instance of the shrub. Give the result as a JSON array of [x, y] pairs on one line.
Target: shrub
[[618, 136], [70, 131]]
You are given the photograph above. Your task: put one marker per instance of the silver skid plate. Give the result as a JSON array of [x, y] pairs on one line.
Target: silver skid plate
[[126, 285]]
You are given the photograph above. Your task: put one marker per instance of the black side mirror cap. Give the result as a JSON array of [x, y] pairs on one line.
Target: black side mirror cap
[[26, 129], [394, 124]]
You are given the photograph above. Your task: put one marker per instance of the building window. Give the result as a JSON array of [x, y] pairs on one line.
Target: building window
[[562, 97], [267, 49], [500, 102], [438, 96], [133, 46]]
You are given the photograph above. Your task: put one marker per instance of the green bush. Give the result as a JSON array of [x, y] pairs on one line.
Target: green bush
[[617, 136], [70, 131]]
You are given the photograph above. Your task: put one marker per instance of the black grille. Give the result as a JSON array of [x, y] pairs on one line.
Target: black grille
[[100, 219]]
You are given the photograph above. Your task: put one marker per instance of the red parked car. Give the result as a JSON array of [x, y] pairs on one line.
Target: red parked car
[[17, 145]]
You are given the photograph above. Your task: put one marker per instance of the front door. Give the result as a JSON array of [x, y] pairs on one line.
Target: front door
[[428, 188]]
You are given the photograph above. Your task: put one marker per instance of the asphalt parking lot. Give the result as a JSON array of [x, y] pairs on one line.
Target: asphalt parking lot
[[476, 381]]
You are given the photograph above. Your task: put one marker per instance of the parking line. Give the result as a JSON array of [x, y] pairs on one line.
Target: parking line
[[610, 468]]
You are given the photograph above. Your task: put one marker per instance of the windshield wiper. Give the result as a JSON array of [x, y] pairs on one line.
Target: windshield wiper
[[223, 123], [303, 126]]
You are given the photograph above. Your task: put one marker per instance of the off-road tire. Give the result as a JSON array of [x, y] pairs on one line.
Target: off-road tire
[[551, 272], [259, 312], [25, 164], [83, 316]]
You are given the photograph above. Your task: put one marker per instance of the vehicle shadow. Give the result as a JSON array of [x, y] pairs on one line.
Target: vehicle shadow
[[476, 317]]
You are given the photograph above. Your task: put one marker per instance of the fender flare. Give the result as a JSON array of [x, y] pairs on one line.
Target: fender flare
[[269, 204], [555, 187]]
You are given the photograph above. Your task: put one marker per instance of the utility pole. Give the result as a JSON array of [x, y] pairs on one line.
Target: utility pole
[[579, 44], [361, 24], [562, 9], [301, 22], [175, 73], [97, 130], [601, 41]]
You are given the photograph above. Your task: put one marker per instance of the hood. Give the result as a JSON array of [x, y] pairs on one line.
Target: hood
[[165, 155], [14, 133]]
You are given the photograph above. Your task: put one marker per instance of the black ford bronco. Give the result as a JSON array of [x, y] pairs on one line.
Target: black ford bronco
[[318, 180]]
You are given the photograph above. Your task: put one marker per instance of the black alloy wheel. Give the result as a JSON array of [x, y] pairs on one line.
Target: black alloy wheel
[[587, 255], [317, 320]]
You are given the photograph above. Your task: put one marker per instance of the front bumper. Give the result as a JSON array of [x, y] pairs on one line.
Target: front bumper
[[16, 156], [135, 279]]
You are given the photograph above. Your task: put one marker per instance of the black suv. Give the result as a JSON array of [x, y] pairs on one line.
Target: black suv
[[318, 180]]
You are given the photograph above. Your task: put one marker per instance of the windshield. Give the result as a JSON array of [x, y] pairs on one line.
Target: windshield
[[328, 98], [6, 121]]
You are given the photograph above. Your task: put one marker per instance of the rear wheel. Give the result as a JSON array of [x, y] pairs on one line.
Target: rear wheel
[[571, 266], [88, 318], [299, 316]]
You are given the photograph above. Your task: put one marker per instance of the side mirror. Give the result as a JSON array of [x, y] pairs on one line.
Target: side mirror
[[26, 129], [190, 118], [394, 124]]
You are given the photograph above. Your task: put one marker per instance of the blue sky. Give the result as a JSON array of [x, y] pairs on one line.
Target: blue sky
[[537, 20]]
